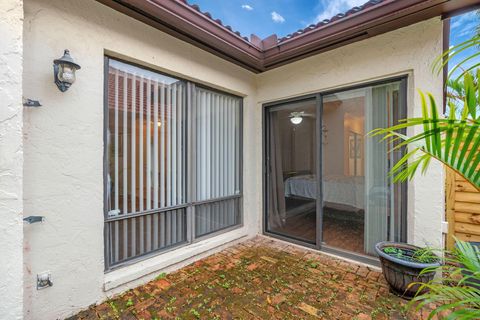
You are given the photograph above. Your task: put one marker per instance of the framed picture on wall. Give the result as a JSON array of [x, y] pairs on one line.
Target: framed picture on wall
[[354, 145]]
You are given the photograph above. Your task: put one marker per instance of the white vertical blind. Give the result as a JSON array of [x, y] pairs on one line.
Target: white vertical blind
[[133, 143], [116, 175], [146, 163], [155, 145], [162, 125], [179, 143], [173, 147], [217, 160], [217, 145], [147, 175], [140, 164], [149, 145], [155, 162], [125, 162], [149, 162]]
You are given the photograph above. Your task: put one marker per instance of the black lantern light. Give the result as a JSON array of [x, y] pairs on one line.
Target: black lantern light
[[64, 71]]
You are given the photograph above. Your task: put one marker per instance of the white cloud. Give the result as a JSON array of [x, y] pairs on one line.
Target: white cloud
[[464, 19], [277, 17], [247, 7], [332, 8]]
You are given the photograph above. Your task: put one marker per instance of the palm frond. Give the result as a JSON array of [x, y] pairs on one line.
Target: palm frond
[[454, 141], [441, 61], [457, 291]]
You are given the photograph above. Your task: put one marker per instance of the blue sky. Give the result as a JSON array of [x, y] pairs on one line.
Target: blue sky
[[462, 28], [266, 17]]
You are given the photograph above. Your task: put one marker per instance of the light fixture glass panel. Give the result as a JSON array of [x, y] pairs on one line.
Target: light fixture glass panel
[[296, 120], [66, 73]]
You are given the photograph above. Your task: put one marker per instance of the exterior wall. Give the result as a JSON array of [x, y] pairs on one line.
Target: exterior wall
[[64, 138], [64, 148], [407, 51], [11, 159]]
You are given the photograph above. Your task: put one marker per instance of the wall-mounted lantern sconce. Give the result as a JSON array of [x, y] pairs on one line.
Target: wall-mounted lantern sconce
[[64, 71]]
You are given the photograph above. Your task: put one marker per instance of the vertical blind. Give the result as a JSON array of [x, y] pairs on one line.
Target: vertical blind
[[217, 165], [146, 124], [147, 173]]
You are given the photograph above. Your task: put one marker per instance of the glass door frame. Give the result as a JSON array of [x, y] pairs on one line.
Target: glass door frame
[[282, 105], [318, 97]]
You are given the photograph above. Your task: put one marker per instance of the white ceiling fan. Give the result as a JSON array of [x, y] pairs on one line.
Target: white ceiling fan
[[296, 117]]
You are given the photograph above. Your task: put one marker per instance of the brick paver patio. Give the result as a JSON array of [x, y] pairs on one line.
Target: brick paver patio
[[259, 279]]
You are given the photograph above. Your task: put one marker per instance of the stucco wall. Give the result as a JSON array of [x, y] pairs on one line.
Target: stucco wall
[[11, 159], [407, 51], [64, 146], [63, 140]]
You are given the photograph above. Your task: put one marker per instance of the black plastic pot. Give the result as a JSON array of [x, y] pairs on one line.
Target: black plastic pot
[[400, 273]]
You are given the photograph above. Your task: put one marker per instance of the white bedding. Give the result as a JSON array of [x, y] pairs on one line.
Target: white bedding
[[339, 190]]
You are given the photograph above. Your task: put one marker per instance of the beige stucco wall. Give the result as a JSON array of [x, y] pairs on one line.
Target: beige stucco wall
[[407, 51], [11, 160], [63, 140], [64, 147]]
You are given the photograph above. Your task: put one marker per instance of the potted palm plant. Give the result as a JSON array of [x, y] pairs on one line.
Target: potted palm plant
[[453, 140]]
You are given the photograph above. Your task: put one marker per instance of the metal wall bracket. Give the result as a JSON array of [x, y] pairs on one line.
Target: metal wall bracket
[[33, 219], [44, 280], [32, 103]]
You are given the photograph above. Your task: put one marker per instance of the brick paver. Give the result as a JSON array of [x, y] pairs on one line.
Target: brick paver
[[259, 279]]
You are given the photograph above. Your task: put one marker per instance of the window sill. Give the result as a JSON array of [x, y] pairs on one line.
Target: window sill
[[147, 267]]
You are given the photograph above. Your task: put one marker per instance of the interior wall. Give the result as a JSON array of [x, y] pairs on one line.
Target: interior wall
[[298, 150], [334, 146], [11, 160], [64, 148], [408, 51]]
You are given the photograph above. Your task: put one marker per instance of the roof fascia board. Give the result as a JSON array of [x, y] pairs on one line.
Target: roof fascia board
[[179, 19], [388, 16]]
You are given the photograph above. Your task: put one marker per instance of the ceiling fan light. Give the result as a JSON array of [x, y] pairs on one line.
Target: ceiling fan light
[[296, 120]]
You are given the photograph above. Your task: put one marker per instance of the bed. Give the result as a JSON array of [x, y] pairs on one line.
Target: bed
[[338, 191]]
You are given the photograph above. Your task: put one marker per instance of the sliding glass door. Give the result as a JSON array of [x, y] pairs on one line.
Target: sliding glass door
[[327, 181], [360, 202], [291, 170]]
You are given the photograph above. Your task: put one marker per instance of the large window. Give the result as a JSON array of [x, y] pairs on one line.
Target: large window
[[173, 169]]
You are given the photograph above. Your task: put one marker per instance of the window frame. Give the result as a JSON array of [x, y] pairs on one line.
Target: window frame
[[318, 96], [189, 205]]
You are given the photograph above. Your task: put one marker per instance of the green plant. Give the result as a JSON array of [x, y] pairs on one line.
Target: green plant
[[162, 275], [455, 140], [423, 255], [195, 313], [458, 290]]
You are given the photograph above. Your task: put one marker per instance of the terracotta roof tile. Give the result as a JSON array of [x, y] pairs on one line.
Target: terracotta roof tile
[[218, 21], [337, 17], [311, 27]]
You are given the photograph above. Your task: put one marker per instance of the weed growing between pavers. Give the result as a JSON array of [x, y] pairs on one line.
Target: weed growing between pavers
[[256, 280]]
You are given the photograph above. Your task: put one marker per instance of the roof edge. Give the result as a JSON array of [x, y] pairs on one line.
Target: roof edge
[[188, 23]]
